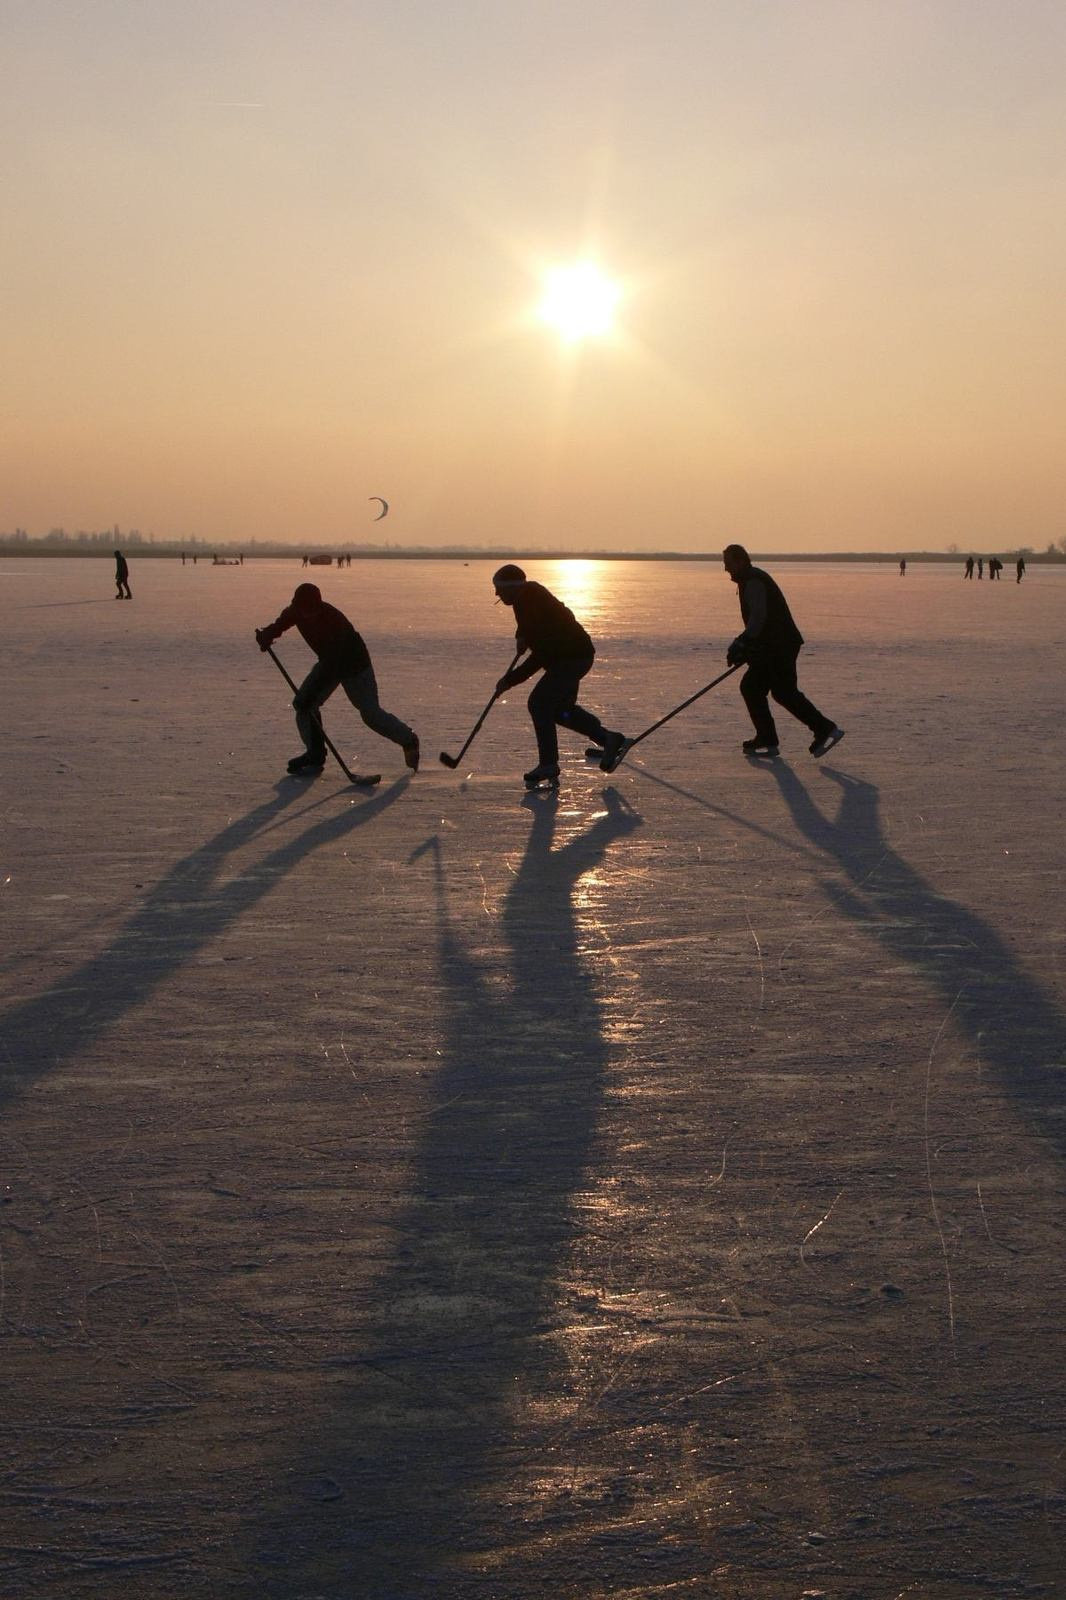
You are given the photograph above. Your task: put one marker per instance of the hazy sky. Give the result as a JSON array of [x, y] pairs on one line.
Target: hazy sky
[[263, 259]]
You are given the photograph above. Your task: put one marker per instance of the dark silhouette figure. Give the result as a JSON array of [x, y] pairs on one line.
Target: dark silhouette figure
[[122, 577], [903, 568], [419, 1429], [559, 648], [343, 661], [1019, 567], [980, 566], [995, 567], [770, 643], [969, 567]]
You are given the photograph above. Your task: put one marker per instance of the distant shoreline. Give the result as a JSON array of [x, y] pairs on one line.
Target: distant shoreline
[[168, 552]]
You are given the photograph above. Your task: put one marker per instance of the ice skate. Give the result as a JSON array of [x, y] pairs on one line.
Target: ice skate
[[544, 776], [411, 753], [307, 763], [614, 751], [760, 747], [825, 741]]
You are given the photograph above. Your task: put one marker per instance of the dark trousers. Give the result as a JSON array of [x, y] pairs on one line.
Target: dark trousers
[[361, 689], [776, 675], [554, 701]]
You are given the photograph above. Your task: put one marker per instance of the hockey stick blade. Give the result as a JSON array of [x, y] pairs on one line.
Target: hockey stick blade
[[451, 762]]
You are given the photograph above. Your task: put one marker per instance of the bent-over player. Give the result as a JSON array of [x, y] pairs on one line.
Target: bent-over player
[[559, 648], [343, 661]]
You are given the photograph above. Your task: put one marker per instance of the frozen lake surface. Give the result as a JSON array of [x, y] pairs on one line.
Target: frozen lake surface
[[655, 1189]]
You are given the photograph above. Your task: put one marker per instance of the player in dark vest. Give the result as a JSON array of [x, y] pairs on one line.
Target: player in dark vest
[[122, 577], [559, 648], [343, 661], [770, 645]]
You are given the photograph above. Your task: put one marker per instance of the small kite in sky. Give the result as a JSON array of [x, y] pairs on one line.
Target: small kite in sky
[[384, 506]]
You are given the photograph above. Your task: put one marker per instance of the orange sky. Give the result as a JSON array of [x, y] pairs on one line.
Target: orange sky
[[262, 261]]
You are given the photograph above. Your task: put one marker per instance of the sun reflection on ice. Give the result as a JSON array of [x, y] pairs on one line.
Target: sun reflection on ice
[[578, 584], [587, 891]]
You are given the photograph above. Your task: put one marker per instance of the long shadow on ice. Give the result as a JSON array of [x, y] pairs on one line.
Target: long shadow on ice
[[49, 605], [716, 810], [183, 912], [421, 1429], [1012, 1025]]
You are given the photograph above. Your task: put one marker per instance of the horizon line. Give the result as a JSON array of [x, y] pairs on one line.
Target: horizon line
[[102, 545]]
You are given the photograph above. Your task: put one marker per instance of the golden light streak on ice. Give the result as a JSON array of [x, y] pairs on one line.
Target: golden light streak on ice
[[577, 583]]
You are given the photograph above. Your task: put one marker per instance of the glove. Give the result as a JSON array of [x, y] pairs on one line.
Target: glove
[[505, 683], [263, 638], [737, 653]]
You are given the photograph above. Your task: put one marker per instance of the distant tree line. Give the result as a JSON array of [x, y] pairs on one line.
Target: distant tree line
[[108, 539], [102, 542]]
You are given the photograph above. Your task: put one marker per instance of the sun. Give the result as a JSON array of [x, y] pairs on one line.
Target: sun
[[579, 301]]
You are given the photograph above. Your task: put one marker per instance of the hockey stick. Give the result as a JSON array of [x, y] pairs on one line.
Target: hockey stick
[[352, 777], [628, 746], [453, 761]]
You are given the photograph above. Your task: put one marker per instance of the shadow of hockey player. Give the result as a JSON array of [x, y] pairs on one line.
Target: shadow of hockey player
[[185, 910], [1011, 1024], [421, 1435]]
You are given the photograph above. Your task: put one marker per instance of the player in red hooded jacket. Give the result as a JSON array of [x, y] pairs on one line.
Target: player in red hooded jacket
[[344, 662]]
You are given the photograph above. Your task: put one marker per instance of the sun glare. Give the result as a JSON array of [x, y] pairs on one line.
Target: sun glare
[[579, 301], [578, 583]]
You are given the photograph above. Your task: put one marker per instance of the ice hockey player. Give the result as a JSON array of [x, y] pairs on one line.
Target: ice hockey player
[[562, 651], [770, 644], [343, 661]]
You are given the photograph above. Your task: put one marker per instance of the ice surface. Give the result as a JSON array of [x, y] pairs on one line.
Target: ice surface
[[444, 1191]]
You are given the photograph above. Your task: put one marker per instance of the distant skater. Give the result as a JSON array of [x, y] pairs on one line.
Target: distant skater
[[968, 573], [995, 567], [980, 566], [122, 577], [559, 648], [1019, 567], [343, 661], [903, 568], [770, 645]]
